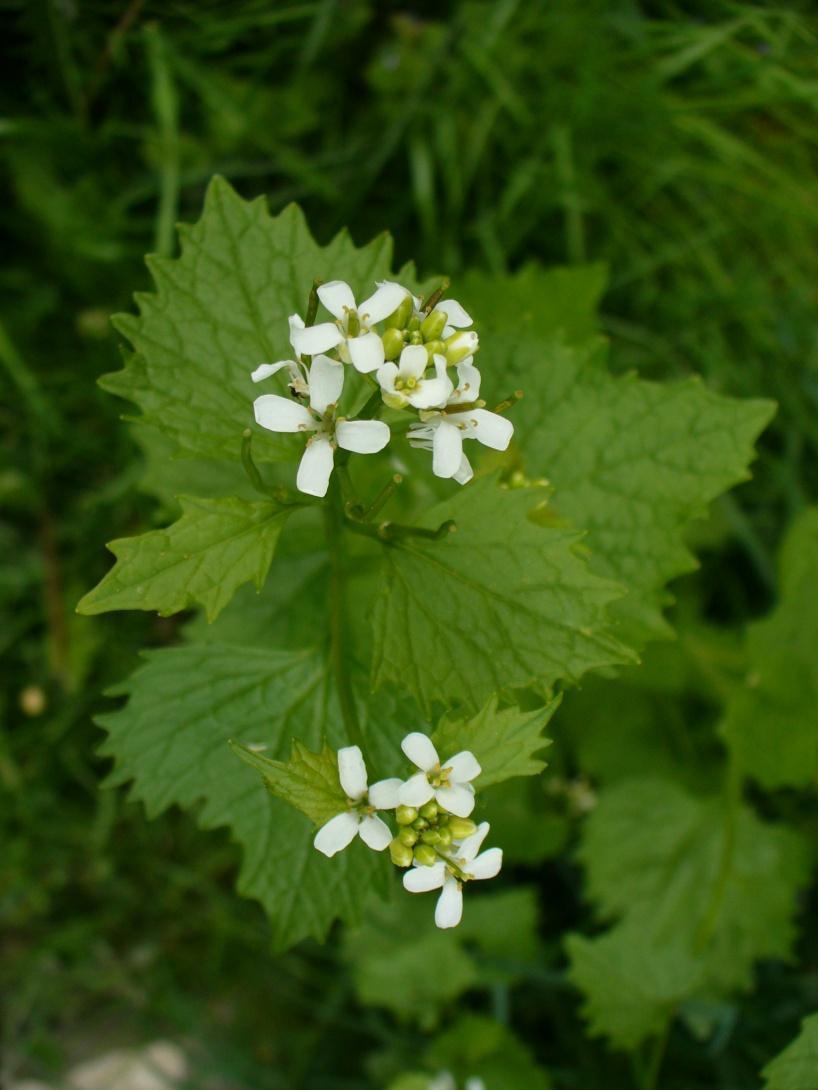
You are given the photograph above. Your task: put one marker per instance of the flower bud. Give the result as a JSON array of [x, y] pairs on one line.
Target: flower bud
[[433, 325], [405, 815], [392, 343], [435, 348], [401, 853], [408, 836], [413, 325], [444, 836], [420, 823], [428, 810], [425, 855], [398, 318], [462, 344], [460, 828], [430, 836]]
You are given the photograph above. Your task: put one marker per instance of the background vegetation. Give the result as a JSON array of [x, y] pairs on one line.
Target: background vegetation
[[674, 142]]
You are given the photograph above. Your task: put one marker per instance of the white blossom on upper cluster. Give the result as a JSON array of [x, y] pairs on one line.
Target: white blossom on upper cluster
[[324, 383], [352, 333], [359, 819], [447, 782], [460, 864]]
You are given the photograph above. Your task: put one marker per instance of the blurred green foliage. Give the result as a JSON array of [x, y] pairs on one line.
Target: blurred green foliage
[[675, 142]]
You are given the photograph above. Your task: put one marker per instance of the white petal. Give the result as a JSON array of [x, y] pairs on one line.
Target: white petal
[[366, 352], [468, 381], [326, 383], [445, 1081], [362, 436], [423, 879], [469, 847], [386, 377], [457, 799], [454, 312], [447, 449], [449, 910], [414, 360], [431, 394], [474, 1084], [465, 472], [490, 429], [464, 767], [278, 413], [337, 297], [316, 338], [375, 833], [487, 865], [420, 750], [383, 795], [352, 771], [265, 370], [296, 323], [415, 791], [315, 468], [336, 834], [386, 299]]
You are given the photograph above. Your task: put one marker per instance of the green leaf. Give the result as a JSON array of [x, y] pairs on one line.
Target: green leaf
[[796, 1068], [702, 888], [308, 781], [501, 603], [172, 739], [632, 462], [503, 740], [771, 722], [210, 551], [220, 309]]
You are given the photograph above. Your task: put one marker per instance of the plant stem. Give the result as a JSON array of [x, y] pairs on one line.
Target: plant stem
[[334, 522]]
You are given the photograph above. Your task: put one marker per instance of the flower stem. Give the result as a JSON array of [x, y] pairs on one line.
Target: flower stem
[[333, 523]]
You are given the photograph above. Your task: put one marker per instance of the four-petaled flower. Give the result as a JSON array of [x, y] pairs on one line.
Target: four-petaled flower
[[351, 332], [403, 383], [359, 819], [448, 783], [324, 385], [461, 418], [461, 864]]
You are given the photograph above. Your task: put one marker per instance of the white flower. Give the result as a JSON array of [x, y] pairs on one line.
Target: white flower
[[325, 381], [456, 316], [351, 333], [461, 864], [299, 377], [449, 785], [443, 432], [403, 383], [360, 818]]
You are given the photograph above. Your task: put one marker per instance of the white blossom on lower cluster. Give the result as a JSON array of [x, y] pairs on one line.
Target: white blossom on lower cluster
[[445, 1081], [408, 350], [437, 842]]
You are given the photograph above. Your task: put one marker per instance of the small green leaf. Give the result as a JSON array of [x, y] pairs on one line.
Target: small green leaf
[[308, 781], [501, 603], [210, 551], [504, 741], [796, 1068], [771, 722]]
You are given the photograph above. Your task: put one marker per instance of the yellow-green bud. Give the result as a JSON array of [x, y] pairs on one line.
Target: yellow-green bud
[[433, 325], [430, 836], [398, 318], [435, 348], [413, 325], [408, 836], [444, 836], [425, 855], [420, 823], [401, 853], [428, 810], [392, 343], [461, 344], [460, 828], [405, 815]]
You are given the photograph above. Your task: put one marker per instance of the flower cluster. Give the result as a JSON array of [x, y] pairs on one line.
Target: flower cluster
[[436, 843], [445, 1081], [406, 350]]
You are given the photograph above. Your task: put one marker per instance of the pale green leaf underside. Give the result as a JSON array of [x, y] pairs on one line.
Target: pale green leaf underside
[[202, 558], [172, 740], [771, 721], [701, 895], [504, 740], [501, 603], [220, 309], [308, 781], [796, 1068], [632, 462]]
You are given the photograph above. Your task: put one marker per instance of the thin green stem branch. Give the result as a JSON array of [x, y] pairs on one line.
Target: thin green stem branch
[[334, 523]]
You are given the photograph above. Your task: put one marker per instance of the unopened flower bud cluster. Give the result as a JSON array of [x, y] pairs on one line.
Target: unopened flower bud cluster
[[435, 841], [409, 351]]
